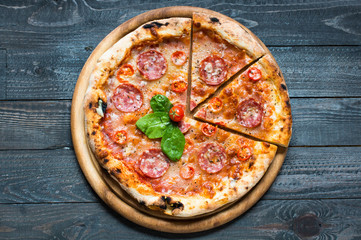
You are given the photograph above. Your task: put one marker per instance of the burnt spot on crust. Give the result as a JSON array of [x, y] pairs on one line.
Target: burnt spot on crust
[[214, 20], [90, 105], [283, 86], [166, 199], [247, 188], [288, 103], [177, 204], [118, 170], [142, 202], [104, 106], [94, 132], [197, 24], [105, 160], [250, 165], [266, 144], [155, 24]]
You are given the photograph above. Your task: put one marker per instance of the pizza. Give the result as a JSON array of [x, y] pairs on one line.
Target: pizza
[[143, 132]]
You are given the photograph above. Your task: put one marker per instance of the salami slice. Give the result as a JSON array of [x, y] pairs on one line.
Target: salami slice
[[127, 98], [153, 163], [213, 70], [211, 157], [249, 113], [183, 126], [151, 65]]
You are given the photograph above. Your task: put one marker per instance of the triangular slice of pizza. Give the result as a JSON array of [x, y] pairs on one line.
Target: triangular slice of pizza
[[256, 103], [221, 48]]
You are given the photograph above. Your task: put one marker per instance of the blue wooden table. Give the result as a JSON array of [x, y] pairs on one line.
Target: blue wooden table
[[43, 46]]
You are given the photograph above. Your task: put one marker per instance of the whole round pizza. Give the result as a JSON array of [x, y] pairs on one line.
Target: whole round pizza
[[186, 113]]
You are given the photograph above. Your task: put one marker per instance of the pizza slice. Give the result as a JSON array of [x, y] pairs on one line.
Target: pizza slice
[[220, 48], [256, 103]]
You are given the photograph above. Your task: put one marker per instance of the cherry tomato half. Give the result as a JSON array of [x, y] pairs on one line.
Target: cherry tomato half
[[176, 113], [244, 153], [254, 74], [126, 70], [179, 85], [187, 171], [179, 58], [216, 104], [120, 137], [208, 129]]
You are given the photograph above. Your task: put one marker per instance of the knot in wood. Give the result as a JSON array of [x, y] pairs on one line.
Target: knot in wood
[[307, 226]]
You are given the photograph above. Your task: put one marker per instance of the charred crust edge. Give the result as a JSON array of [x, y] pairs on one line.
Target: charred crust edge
[[155, 24], [214, 20], [283, 86]]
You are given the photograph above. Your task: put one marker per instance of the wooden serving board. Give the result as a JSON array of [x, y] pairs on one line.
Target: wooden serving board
[[109, 191]]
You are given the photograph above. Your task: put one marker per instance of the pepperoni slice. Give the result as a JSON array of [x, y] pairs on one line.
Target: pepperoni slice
[[193, 104], [211, 158], [208, 129], [183, 126], [216, 104], [179, 58], [187, 171], [152, 65], [213, 70], [127, 98], [249, 113], [153, 163]]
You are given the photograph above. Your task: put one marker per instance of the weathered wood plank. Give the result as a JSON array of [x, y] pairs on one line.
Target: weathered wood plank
[[326, 121], [43, 176], [318, 172], [320, 71], [2, 74], [55, 23], [34, 125], [41, 73], [46, 124], [287, 219], [309, 71]]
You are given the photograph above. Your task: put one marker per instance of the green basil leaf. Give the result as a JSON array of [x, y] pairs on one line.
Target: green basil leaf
[[154, 124], [160, 103], [173, 143]]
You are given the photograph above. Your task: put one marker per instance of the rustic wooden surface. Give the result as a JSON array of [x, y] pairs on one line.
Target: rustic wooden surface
[[43, 46]]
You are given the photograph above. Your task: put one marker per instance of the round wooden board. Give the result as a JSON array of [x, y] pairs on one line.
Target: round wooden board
[[109, 191]]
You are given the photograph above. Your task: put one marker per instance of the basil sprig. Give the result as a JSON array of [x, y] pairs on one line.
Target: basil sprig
[[159, 125]]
